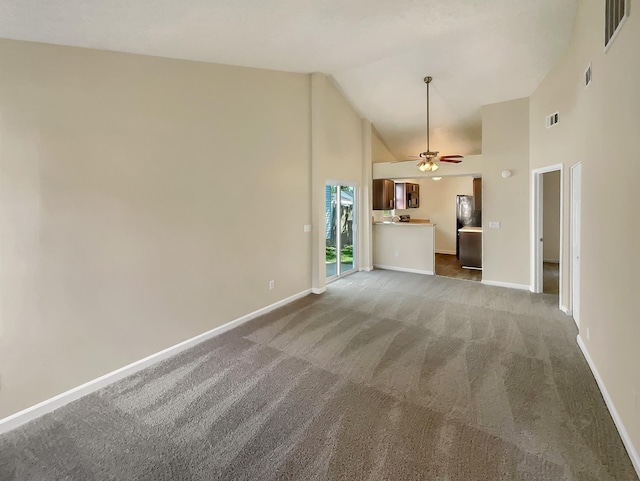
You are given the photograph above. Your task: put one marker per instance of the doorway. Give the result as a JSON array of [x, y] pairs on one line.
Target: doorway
[[551, 232], [340, 230], [547, 231], [455, 206]]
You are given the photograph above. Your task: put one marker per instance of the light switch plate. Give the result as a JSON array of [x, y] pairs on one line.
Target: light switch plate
[[494, 225], [307, 227]]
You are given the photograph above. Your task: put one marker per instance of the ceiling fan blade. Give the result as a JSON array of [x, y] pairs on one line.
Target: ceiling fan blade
[[454, 159]]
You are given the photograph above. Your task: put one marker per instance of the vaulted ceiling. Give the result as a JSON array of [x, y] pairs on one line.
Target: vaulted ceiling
[[378, 51]]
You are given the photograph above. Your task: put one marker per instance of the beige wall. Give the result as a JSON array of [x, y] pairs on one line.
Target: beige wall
[[599, 126], [438, 203], [143, 201], [338, 154], [505, 146], [551, 215], [365, 257], [379, 151]]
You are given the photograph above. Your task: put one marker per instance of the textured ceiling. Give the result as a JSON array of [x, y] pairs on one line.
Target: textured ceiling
[[478, 51]]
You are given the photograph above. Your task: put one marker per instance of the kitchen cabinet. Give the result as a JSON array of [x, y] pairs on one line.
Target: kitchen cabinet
[[477, 194], [384, 194], [407, 195]]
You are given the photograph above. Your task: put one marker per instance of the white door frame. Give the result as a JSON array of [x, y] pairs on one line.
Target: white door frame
[[575, 225], [536, 229], [354, 225]]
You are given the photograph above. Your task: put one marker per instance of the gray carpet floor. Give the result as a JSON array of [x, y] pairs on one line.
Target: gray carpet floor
[[387, 376]]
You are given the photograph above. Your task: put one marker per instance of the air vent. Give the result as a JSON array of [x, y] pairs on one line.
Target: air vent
[[587, 76], [615, 13], [553, 119]]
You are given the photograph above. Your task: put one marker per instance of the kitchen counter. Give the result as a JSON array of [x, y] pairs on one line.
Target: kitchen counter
[[412, 222], [407, 250], [470, 229]]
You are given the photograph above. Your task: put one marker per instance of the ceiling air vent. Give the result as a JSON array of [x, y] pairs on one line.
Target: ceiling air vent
[[616, 12], [553, 119]]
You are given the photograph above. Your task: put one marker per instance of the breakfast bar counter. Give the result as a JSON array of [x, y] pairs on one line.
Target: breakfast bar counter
[[404, 246]]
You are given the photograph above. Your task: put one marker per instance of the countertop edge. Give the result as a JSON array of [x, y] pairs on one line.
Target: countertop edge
[[412, 224]]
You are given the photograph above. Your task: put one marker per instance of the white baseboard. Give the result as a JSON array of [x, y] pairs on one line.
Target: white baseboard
[[403, 269], [566, 310], [33, 412], [626, 440], [320, 290], [442, 251], [509, 285], [366, 269]]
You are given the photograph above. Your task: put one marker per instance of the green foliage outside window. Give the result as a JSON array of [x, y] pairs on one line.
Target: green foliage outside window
[[346, 256]]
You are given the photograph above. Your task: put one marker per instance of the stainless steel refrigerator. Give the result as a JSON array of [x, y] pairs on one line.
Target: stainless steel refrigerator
[[465, 216]]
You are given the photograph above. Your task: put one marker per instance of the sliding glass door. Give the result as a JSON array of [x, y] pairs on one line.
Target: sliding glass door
[[347, 202], [340, 229]]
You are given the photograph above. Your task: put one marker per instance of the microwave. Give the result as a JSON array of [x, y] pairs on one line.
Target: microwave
[[413, 199]]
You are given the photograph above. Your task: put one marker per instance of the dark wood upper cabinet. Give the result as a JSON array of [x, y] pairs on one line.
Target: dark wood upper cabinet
[[477, 194], [407, 195], [384, 195]]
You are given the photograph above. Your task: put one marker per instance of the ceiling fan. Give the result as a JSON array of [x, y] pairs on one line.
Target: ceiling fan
[[427, 160]]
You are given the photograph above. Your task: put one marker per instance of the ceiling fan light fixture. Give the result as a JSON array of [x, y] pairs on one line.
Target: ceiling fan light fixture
[[427, 166], [434, 167]]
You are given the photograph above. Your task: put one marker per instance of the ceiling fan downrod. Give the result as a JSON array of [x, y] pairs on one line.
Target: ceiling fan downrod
[[428, 80]]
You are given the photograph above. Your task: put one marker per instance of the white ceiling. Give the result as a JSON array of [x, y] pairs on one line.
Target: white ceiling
[[478, 51]]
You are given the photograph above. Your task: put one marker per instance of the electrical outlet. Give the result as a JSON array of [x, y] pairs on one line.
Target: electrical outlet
[[494, 224], [397, 254], [307, 228], [272, 285], [588, 334]]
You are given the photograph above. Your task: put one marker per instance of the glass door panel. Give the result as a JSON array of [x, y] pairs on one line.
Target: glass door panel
[[331, 212], [347, 196], [340, 231]]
